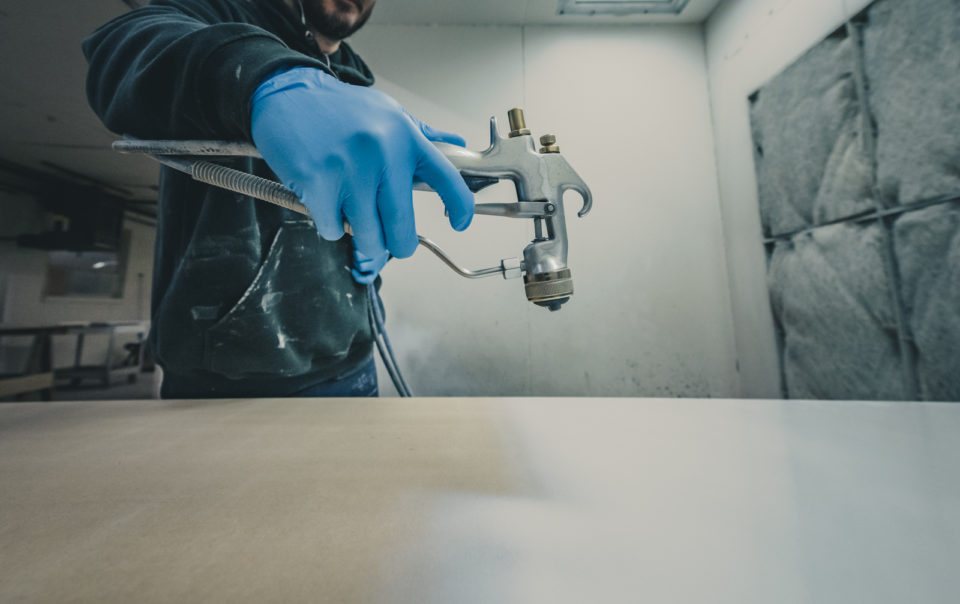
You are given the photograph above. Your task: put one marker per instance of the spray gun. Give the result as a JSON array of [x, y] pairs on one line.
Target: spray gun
[[540, 176]]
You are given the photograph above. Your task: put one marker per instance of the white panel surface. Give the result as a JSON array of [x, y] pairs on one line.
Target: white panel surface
[[515, 501]]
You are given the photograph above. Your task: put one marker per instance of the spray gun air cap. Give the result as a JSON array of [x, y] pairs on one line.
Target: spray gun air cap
[[550, 290]]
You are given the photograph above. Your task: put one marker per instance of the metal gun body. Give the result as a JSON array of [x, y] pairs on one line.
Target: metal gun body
[[540, 178]]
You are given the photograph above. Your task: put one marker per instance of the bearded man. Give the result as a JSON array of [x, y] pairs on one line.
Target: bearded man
[[251, 299]]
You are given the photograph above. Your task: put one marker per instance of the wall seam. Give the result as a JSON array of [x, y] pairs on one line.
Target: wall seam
[[720, 211], [523, 65]]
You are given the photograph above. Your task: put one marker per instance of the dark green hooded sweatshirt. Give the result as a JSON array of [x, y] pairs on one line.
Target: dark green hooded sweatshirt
[[248, 300]]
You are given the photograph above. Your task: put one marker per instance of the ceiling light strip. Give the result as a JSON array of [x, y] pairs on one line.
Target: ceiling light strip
[[621, 7]]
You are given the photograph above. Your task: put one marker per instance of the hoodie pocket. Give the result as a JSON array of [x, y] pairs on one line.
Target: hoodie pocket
[[302, 313]]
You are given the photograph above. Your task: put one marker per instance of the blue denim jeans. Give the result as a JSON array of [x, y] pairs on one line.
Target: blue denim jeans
[[360, 382]]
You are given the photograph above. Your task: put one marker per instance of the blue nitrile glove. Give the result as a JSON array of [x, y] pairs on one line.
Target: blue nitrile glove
[[353, 153], [365, 269]]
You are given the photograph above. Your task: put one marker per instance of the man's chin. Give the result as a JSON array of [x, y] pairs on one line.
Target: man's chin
[[343, 22], [338, 24]]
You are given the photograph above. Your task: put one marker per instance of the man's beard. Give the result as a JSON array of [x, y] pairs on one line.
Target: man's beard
[[329, 25]]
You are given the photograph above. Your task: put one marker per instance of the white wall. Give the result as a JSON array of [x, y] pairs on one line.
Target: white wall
[[22, 274], [629, 105], [747, 43]]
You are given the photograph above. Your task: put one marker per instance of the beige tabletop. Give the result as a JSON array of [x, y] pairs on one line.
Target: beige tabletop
[[479, 500]]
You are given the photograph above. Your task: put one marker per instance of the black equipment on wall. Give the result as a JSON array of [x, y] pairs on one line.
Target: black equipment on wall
[[91, 221]]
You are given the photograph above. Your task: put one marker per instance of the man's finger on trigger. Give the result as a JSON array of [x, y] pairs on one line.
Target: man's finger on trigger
[[365, 223], [395, 203], [321, 198], [437, 171]]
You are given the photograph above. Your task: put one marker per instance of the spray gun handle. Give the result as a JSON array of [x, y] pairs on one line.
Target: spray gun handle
[[543, 175]]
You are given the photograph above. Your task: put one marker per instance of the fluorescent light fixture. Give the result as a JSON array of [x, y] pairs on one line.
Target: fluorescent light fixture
[[621, 7]]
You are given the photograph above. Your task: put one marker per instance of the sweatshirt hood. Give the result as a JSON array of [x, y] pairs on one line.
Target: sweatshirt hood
[[345, 63]]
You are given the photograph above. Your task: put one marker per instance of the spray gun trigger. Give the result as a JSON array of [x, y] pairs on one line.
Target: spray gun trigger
[[517, 209]]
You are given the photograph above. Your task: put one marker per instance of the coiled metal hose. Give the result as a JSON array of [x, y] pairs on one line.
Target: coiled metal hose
[[247, 184]]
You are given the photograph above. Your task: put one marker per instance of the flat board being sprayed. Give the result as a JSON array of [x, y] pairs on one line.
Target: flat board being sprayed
[[479, 500]]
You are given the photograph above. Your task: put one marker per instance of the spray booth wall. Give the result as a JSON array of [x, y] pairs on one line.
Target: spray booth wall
[[650, 315]]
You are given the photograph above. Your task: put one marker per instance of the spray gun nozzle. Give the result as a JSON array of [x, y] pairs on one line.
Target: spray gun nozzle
[[550, 290]]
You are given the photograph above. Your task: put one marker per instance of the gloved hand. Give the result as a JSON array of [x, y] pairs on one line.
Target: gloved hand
[[353, 153]]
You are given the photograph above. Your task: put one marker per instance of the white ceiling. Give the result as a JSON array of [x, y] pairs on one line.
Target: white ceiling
[[45, 121], [45, 118]]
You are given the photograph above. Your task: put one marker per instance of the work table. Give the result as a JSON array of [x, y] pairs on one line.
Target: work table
[[480, 500]]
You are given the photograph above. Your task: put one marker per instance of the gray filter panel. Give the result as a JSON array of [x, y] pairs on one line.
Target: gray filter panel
[[863, 131], [928, 254], [912, 60], [811, 166], [829, 293]]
